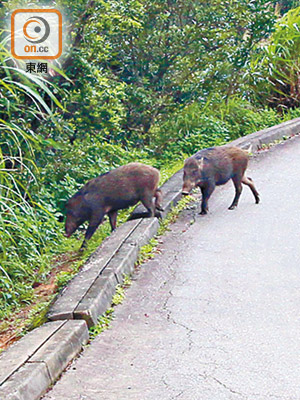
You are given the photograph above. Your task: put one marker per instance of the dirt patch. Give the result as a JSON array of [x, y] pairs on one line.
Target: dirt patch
[[14, 327]]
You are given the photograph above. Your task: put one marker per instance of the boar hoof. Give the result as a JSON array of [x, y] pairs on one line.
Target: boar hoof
[[83, 247], [232, 207], [158, 215], [203, 212]]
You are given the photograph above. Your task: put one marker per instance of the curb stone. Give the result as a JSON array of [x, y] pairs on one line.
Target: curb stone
[[68, 300], [256, 140], [31, 365], [98, 298]]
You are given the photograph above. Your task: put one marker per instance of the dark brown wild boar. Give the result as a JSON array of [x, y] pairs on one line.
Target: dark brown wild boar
[[215, 166], [120, 188]]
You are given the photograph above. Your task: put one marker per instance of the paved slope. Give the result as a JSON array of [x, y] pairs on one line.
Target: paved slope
[[216, 315]]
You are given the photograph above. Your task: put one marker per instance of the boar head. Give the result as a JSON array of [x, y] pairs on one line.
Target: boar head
[[192, 174], [77, 214]]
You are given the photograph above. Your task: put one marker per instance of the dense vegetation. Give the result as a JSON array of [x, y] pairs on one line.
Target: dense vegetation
[[152, 81]]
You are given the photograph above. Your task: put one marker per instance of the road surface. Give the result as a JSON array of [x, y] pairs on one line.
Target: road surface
[[216, 315]]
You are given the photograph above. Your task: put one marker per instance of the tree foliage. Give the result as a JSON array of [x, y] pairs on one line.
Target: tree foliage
[[275, 72], [166, 54]]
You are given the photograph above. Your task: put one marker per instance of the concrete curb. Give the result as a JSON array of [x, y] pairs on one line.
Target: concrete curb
[[256, 140], [31, 365], [99, 296], [68, 300]]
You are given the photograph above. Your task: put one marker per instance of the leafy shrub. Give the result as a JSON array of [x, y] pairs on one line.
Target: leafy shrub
[[201, 125], [242, 117], [187, 131], [274, 72], [210, 132]]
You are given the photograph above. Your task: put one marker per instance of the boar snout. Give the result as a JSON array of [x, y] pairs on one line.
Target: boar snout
[[187, 188], [70, 228]]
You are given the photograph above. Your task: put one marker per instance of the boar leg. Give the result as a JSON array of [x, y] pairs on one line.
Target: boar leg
[[206, 193], [112, 215], [148, 202], [248, 181], [158, 200], [95, 221], [237, 181]]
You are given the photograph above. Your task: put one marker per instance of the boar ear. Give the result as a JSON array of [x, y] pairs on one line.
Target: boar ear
[[200, 162]]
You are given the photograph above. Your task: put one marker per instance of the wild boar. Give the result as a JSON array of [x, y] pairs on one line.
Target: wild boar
[[120, 188], [215, 166]]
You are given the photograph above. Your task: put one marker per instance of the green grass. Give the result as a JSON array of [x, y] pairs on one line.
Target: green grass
[[147, 252], [174, 213], [37, 315]]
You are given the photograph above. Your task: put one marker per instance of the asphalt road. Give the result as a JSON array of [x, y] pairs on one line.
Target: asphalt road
[[216, 315]]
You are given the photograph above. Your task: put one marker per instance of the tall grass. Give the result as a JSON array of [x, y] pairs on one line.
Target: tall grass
[[22, 100]]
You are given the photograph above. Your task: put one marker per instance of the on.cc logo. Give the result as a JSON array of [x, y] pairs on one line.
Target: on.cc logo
[[36, 34]]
